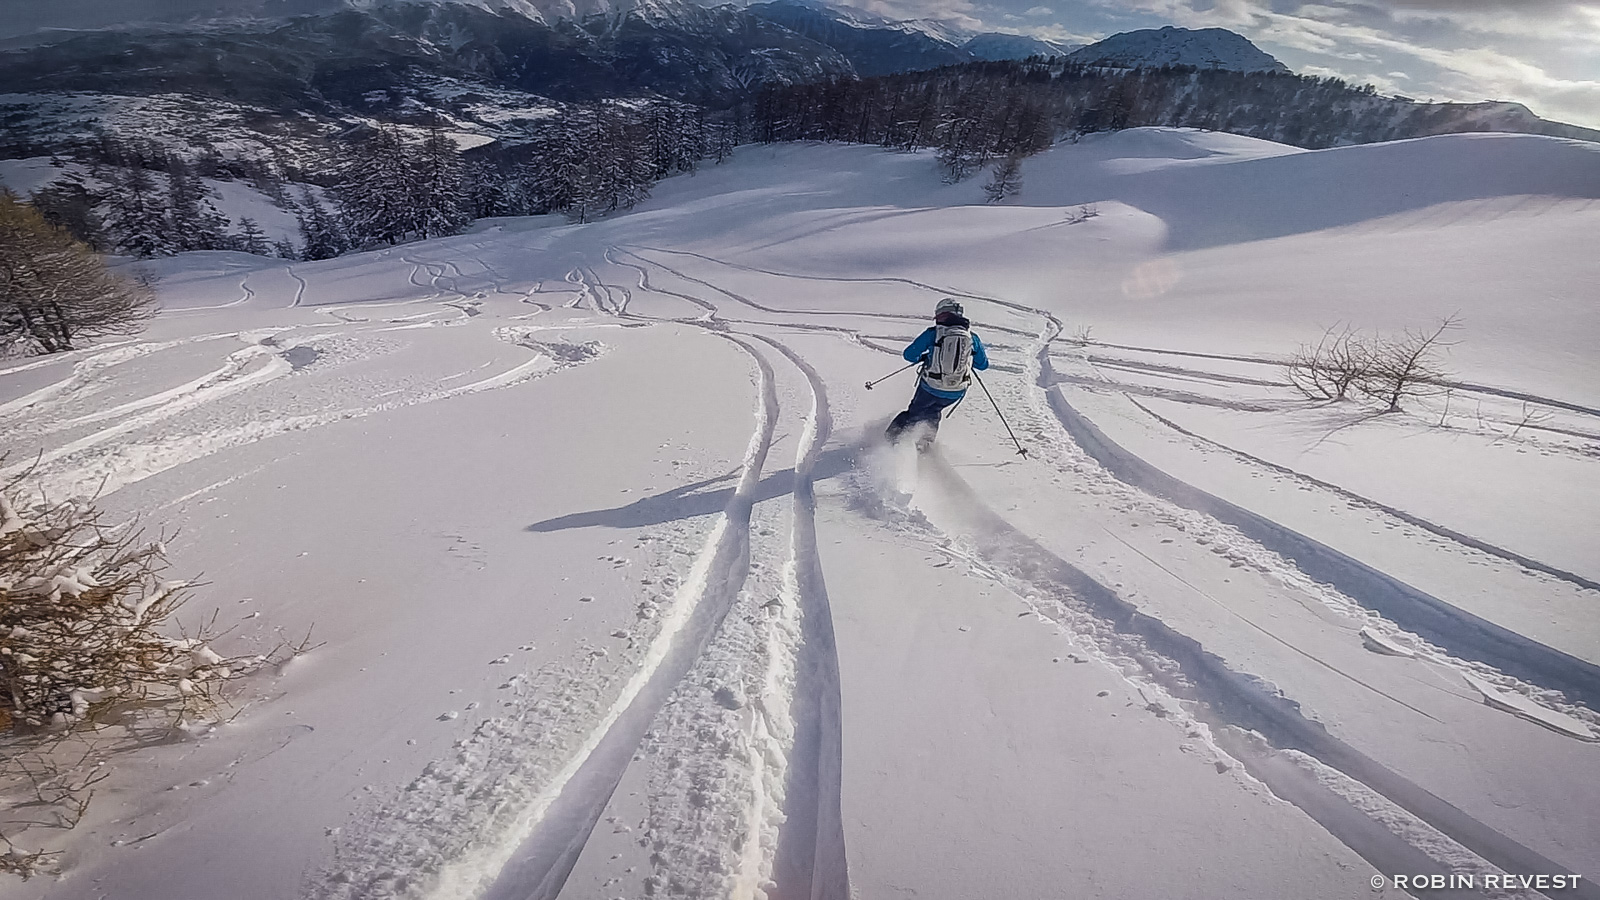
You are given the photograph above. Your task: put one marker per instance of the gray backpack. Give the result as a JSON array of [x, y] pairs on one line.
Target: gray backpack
[[949, 363]]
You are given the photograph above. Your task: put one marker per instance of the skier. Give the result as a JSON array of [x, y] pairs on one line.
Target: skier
[[949, 352]]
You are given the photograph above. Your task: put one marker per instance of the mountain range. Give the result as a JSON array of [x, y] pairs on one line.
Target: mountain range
[[491, 66], [276, 72]]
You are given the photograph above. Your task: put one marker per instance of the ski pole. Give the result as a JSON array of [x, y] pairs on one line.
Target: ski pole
[[1021, 451], [891, 374]]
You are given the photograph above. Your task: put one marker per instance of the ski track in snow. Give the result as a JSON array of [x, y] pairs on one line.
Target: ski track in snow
[[1452, 631], [245, 369], [762, 810], [1220, 696], [1464, 540], [810, 854], [300, 286], [133, 448], [533, 857], [87, 369]]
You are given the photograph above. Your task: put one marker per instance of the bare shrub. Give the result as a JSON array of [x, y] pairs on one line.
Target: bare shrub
[[1390, 369], [16, 861], [89, 639], [82, 614], [1333, 367], [1532, 417], [1407, 366]]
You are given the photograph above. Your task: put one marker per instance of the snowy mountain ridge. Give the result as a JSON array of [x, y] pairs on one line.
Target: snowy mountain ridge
[[1205, 48], [995, 45]]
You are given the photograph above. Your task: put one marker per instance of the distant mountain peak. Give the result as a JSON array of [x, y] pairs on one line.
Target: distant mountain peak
[[1204, 48], [997, 46], [942, 30]]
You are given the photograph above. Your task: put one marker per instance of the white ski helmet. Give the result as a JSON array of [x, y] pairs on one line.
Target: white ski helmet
[[947, 305]]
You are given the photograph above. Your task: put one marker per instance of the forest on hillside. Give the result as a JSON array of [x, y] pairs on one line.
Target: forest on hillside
[[383, 185]]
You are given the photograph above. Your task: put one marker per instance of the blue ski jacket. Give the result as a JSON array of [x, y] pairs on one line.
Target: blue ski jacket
[[924, 342]]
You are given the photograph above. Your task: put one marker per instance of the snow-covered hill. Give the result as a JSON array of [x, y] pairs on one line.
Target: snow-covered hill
[[1204, 48], [621, 594]]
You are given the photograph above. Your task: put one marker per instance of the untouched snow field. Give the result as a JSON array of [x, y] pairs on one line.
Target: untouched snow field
[[622, 596]]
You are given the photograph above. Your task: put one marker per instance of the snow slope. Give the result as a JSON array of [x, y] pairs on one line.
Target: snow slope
[[621, 596]]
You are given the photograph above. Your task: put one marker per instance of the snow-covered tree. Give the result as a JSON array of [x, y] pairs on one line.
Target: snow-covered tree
[[69, 204], [321, 236], [493, 190], [192, 219], [439, 197], [375, 190], [251, 239], [136, 217]]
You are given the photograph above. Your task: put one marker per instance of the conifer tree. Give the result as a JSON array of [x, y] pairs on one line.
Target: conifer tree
[[136, 215], [250, 239], [192, 219], [68, 203], [439, 201], [321, 236], [375, 190], [1006, 180]]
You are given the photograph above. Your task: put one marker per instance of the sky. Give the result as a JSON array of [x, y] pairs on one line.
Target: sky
[[1543, 53]]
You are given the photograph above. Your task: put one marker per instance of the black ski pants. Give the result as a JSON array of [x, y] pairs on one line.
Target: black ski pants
[[925, 407]]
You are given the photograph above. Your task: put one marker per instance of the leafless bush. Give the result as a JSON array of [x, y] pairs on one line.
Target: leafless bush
[[88, 639], [16, 861], [1082, 335], [83, 611], [1389, 369], [1332, 368], [1406, 366], [1532, 417]]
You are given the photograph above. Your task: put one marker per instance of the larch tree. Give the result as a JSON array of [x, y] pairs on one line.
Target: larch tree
[[439, 199], [137, 216], [55, 292]]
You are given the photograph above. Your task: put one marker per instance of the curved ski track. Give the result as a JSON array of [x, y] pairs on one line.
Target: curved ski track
[[533, 858], [1465, 540]]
